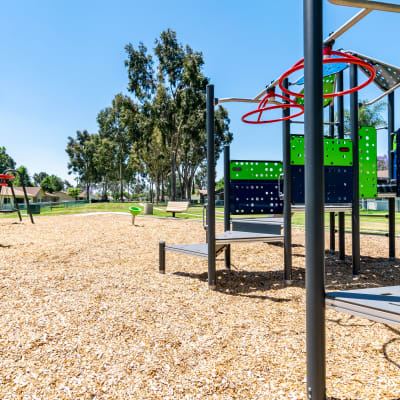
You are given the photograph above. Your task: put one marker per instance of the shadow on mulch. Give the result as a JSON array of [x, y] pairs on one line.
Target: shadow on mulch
[[5, 246]]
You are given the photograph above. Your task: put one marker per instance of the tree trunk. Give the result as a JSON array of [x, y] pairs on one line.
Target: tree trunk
[[121, 190], [162, 187], [87, 190], [173, 177], [158, 188]]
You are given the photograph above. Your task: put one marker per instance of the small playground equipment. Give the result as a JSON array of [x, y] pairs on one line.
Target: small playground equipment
[[6, 182], [134, 211]]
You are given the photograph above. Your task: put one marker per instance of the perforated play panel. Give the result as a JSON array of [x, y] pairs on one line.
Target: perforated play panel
[[368, 162], [337, 152], [255, 170], [338, 184], [255, 197], [387, 76], [328, 87]]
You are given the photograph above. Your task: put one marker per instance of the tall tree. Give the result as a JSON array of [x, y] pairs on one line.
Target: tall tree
[[367, 115], [176, 91], [38, 177], [6, 160], [119, 123], [51, 184], [81, 155], [24, 177]]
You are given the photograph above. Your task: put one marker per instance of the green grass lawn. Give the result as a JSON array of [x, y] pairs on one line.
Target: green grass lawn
[[367, 224]]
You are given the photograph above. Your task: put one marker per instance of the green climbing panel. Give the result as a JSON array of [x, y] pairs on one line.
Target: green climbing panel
[[329, 87], [337, 152], [256, 170], [368, 162]]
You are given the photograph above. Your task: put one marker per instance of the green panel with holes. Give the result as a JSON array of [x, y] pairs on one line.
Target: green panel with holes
[[368, 162], [329, 87], [337, 152], [256, 170]]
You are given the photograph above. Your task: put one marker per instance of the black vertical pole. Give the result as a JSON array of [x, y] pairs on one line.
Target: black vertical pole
[[355, 213], [340, 106], [15, 201], [161, 257], [314, 199], [287, 192], [212, 281], [332, 214], [227, 202], [391, 200]]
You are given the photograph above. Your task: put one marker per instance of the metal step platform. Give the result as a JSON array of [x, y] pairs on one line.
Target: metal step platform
[[335, 207], [272, 225], [230, 237], [377, 304], [197, 250]]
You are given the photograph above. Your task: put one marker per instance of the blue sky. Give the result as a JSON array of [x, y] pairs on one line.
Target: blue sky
[[63, 61]]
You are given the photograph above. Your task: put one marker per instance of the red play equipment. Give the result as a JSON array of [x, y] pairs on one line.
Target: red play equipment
[[270, 99], [342, 58]]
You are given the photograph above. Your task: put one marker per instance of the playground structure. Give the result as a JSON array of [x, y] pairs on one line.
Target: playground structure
[[6, 181], [378, 304], [134, 211]]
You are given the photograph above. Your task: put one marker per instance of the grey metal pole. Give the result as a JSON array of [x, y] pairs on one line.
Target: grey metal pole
[[355, 214], [314, 200], [227, 202], [212, 280], [287, 193], [340, 106], [332, 214], [392, 206]]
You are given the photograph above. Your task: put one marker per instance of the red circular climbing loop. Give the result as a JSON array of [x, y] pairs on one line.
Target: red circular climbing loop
[[262, 108], [4, 178], [342, 58]]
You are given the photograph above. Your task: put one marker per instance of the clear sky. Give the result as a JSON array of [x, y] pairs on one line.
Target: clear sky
[[63, 61]]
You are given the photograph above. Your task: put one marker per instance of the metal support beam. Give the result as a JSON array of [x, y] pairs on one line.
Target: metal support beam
[[227, 202], [332, 214], [314, 200], [392, 206], [287, 192], [212, 279], [340, 113], [355, 228], [371, 5]]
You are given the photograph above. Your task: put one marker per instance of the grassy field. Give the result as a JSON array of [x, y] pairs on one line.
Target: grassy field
[[368, 224]]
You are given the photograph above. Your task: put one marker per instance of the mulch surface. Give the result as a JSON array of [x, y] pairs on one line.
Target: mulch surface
[[85, 314]]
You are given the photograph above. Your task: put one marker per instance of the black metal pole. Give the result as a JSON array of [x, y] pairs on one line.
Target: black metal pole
[[212, 280], [341, 220], [332, 214], [314, 200], [227, 202], [161, 257], [355, 213], [287, 193], [391, 201], [15, 201]]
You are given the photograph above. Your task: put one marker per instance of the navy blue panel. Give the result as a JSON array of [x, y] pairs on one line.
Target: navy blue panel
[[255, 197], [338, 184], [397, 163]]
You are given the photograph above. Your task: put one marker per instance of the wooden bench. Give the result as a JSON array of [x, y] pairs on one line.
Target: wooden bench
[[177, 207]]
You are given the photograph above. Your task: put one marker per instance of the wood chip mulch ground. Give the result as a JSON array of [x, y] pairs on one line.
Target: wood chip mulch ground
[[84, 314]]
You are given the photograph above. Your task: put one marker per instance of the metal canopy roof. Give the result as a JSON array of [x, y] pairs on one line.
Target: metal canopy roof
[[387, 76]]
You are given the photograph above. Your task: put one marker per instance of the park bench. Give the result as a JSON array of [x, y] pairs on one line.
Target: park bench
[[177, 207]]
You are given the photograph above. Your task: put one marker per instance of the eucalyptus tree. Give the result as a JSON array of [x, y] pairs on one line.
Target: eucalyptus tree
[[119, 123], [23, 176], [6, 161], [52, 183], [38, 177], [81, 158], [176, 91]]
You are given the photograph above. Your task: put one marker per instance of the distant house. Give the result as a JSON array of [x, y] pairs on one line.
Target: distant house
[[35, 195], [62, 196]]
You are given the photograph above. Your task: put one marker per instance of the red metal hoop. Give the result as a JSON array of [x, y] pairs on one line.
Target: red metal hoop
[[262, 107], [343, 58]]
